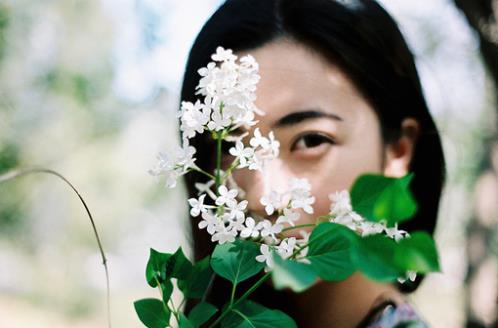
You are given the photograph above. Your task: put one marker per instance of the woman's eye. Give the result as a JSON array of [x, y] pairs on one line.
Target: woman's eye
[[310, 141]]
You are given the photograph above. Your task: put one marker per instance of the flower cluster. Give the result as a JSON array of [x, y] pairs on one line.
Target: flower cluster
[[261, 150], [171, 167], [228, 88], [341, 212], [228, 220]]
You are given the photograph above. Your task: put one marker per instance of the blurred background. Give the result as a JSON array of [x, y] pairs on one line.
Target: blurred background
[[90, 88]]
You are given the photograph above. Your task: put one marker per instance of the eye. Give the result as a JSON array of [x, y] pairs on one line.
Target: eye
[[311, 140]]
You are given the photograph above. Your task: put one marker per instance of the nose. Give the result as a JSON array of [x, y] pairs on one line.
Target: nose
[[257, 184]]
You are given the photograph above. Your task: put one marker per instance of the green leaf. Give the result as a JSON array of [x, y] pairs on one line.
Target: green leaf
[[155, 267], [178, 266], [377, 198], [330, 251], [201, 313], [167, 290], [417, 253], [253, 315], [291, 274], [374, 256], [198, 280], [152, 312], [236, 261], [184, 322]]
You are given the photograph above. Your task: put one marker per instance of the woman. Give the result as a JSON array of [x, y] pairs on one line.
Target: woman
[[341, 92]]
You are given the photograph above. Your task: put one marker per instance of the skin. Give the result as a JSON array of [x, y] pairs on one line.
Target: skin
[[330, 151]]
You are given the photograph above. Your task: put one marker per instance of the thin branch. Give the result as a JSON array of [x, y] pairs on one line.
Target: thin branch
[[19, 173]]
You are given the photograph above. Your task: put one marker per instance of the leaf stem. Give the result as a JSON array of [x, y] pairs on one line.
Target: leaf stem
[[206, 292], [243, 297], [232, 296]]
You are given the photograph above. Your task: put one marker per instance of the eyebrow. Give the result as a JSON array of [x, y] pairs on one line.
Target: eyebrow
[[303, 115]]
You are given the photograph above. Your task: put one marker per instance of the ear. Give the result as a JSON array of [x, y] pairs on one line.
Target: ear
[[400, 152]]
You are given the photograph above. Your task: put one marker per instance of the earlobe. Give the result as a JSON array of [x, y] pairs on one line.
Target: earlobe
[[399, 153]]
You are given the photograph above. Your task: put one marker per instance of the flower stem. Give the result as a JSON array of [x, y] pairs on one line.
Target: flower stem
[[298, 227], [198, 169], [218, 160], [243, 297]]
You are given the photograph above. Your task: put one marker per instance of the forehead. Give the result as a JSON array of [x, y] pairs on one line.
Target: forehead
[[294, 77]]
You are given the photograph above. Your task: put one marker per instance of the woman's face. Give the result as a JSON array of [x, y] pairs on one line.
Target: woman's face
[[328, 132]]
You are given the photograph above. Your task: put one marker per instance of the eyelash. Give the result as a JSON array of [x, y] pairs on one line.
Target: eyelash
[[319, 137]]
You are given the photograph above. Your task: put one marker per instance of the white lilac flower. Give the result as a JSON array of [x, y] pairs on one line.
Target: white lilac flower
[[194, 117], [273, 145], [173, 167], [346, 220], [197, 205], [288, 216], [207, 71], [300, 186], [165, 167], [304, 203], [255, 162], [205, 188], [231, 84], [268, 229], [396, 233], [210, 221], [370, 228], [301, 242], [235, 224], [286, 247], [218, 121], [223, 55], [241, 153], [266, 255], [249, 229], [224, 235], [258, 140], [340, 203], [184, 157], [272, 202], [226, 197], [237, 209]]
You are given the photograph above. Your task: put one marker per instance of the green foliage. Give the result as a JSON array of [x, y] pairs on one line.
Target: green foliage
[[155, 270], [376, 198], [291, 274], [334, 253], [330, 249], [195, 285], [253, 315], [178, 266], [152, 312], [417, 253], [374, 256], [166, 290], [185, 322], [201, 313], [236, 261]]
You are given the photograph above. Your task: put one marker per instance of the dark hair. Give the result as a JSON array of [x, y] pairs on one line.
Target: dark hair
[[361, 38]]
